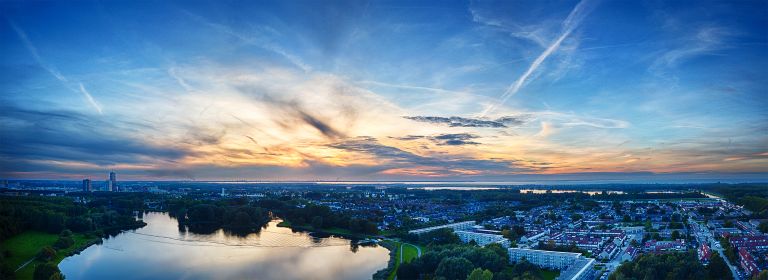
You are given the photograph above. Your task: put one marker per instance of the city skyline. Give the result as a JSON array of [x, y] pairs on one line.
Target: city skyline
[[464, 90]]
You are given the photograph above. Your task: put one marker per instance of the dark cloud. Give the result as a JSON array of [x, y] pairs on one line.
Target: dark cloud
[[403, 159], [29, 134], [456, 139], [451, 139], [321, 126], [455, 121], [291, 113]]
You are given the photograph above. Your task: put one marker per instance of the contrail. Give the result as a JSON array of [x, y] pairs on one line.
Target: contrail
[[51, 69], [569, 24], [90, 98]]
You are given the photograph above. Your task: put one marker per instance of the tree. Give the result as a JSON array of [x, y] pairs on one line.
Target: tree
[[64, 242], [675, 235], [763, 226], [317, 222], [480, 274], [762, 276], [454, 268], [407, 271], [717, 268], [46, 253], [46, 271]]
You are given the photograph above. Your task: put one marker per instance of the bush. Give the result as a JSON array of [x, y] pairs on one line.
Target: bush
[[47, 271], [47, 253], [64, 242]]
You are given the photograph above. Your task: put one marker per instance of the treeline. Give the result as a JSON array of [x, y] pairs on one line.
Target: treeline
[[754, 197], [236, 215], [680, 266], [458, 261], [318, 217], [99, 215]]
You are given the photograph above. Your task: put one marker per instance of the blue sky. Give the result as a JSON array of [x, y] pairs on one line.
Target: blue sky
[[359, 90]]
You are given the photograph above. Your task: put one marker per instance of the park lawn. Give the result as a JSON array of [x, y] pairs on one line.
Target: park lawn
[[26, 245], [549, 274], [409, 252]]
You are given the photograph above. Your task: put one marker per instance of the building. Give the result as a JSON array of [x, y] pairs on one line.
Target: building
[[113, 181], [573, 266], [704, 253], [748, 262], [454, 226], [582, 269], [629, 254], [87, 187], [546, 259], [481, 238], [750, 243]]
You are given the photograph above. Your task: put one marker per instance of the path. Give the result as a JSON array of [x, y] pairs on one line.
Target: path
[[418, 253], [25, 264]]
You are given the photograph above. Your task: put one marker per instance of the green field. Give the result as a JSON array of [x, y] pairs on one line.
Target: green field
[[25, 246], [409, 252]]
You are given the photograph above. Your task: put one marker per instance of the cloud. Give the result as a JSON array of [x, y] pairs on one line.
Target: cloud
[[293, 111], [52, 135], [452, 139], [51, 69], [704, 40], [569, 24], [455, 121], [252, 40], [397, 159]]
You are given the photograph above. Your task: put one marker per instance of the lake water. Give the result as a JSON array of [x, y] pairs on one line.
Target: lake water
[[160, 251]]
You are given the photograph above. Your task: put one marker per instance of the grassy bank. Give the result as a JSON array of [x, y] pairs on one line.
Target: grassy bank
[[25, 246]]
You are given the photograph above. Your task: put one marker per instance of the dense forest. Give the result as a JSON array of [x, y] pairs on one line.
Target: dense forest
[[237, 216], [681, 266], [458, 261]]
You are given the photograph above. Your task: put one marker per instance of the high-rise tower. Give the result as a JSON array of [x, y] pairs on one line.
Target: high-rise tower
[[87, 185], [113, 181]]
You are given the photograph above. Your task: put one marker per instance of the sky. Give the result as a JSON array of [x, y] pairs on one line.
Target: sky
[[384, 90]]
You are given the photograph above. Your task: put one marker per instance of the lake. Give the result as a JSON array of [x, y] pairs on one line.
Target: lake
[[161, 251]]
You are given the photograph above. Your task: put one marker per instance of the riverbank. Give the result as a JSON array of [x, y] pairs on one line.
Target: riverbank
[[23, 249]]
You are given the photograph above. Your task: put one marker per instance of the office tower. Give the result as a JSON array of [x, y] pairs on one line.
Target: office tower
[[113, 182], [87, 185]]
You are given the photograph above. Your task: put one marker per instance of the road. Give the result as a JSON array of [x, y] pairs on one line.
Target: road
[[719, 250]]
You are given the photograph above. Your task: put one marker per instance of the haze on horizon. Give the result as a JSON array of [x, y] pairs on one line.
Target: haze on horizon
[[384, 90]]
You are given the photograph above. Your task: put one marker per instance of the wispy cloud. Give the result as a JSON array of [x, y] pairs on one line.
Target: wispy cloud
[[704, 41], [569, 24], [51, 69], [252, 40], [402, 86]]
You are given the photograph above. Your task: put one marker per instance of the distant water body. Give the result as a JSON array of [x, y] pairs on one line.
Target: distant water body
[[160, 251]]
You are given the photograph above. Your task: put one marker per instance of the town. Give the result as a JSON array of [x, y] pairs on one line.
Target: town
[[580, 232]]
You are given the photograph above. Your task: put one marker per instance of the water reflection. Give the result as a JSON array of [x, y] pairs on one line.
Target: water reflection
[[161, 251]]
